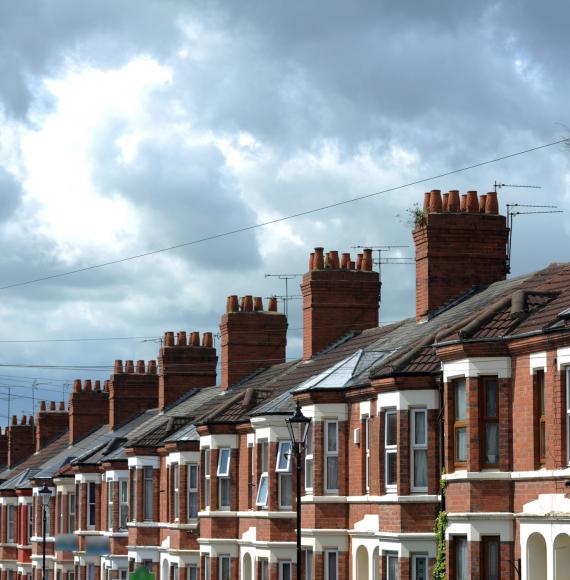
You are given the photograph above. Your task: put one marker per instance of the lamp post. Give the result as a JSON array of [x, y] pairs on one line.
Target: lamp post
[[45, 495], [298, 426]]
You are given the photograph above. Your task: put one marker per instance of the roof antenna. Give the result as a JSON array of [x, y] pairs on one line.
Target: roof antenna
[[512, 211], [285, 298]]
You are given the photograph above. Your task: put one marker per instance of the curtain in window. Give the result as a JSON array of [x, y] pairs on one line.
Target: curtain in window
[[493, 560], [420, 468], [461, 558], [492, 442]]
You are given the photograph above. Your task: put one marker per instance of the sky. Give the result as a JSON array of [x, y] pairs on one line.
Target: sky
[[128, 126]]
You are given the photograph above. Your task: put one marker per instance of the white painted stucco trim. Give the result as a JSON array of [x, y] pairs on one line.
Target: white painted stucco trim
[[537, 361], [324, 411], [141, 461], [408, 399], [478, 366], [219, 441], [475, 525], [183, 457], [563, 357]]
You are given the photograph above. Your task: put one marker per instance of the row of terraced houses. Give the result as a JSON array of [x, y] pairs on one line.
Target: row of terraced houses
[[463, 408]]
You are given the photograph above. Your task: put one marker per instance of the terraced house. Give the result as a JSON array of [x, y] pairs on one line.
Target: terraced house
[[462, 408]]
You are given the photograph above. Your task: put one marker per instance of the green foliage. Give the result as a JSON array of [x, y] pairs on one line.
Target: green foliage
[[439, 529], [415, 215]]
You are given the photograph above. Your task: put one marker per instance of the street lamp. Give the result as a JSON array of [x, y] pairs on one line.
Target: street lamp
[[298, 426], [45, 495]]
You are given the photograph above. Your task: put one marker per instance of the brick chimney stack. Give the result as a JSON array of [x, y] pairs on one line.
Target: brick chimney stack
[[252, 338], [21, 440], [338, 296], [130, 392], [50, 424], [3, 448], [184, 365], [88, 409], [459, 244]]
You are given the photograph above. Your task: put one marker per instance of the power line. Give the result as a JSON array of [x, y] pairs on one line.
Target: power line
[[18, 341], [284, 218]]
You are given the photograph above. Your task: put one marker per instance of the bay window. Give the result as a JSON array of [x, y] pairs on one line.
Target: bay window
[[133, 486], [192, 572], [567, 371], [223, 474], [419, 450], [490, 421], [391, 450], [331, 456], [285, 570], [460, 423], [71, 512], [10, 523], [283, 469], [263, 487], [192, 474], [91, 496]]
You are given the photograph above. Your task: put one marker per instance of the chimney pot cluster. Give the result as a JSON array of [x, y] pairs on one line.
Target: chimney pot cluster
[[318, 260], [249, 303], [130, 368], [183, 339], [470, 202]]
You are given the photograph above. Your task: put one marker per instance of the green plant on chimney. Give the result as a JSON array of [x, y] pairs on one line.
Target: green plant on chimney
[[415, 215]]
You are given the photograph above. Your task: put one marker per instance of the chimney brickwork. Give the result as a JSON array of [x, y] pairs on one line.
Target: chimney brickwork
[[131, 391], [88, 408], [459, 244], [339, 296], [21, 440], [3, 447], [50, 423], [251, 338], [184, 365]]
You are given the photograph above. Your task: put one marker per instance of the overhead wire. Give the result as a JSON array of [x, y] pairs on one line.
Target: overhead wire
[[283, 218]]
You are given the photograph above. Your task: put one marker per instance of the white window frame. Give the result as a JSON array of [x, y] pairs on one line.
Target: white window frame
[[71, 503], [207, 566], [91, 505], [123, 504], [567, 371], [175, 572], [223, 473], [263, 449], [309, 459], [309, 559], [331, 454], [390, 450], [30, 523], [110, 505], [282, 565], [283, 470], [418, 447], [456, 542], [207, 479], [11, 524], [91, 572], [148, 494], [366, 437], [192, 489], [263, 569], [224, 558], [390, 556], [175, 474], [326, 564], [415, 558], [192, 572]]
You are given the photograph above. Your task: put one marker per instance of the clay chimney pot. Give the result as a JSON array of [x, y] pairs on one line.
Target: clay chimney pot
[[435, 204], [472, 202], [169, 338], [492, 205], [52, 406], [311, 261], [463, 205], [345, 262], [97, 386], [319, 262], [181, 338], [248, 303], [258, 304], [140, 367], [76, 386], [87, 385], [24, 420], [233, 303], [14, 420], [427, 196], [445, 202], [207, 340], [42, 406], [272, 306], [61, 406], [453, 203], [335, 264], [129, 366], [358, 261], [118, 368], [367, 260], [151, 368], [352, 265]]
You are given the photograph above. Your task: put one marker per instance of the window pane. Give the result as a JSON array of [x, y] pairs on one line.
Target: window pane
[[285, 489], [492, 443], [460, 400], [491, 398], [147, 493], [392, 566], [461, 558], [225, 571], [332, 437], [284, 456], [461, 444], [420, 468], [193, 476], [264, 450], [309, 442], [225, 492], [391, 428], [420, 427], [540, 379], [308, 473], [224, 462], [391, 468], [420, 568], [264, 572], [331, 565], [332, 472], [262, 491], [492, 559]]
